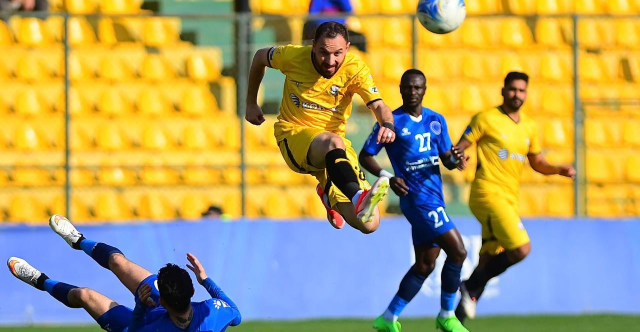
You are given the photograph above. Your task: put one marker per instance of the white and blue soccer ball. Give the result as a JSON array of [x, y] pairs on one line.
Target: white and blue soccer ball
[[441, 16]]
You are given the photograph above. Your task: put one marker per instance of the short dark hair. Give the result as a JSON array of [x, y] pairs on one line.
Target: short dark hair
[[412, 72], [515, 75], [331, 30], [176, 287]]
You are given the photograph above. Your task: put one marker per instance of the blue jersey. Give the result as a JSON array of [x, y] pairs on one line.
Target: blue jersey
[[213, 315], [415, 154]]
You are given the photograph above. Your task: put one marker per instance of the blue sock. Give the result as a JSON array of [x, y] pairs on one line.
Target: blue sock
[[59, 290], [100, 252], [450, 283], [409, 287]]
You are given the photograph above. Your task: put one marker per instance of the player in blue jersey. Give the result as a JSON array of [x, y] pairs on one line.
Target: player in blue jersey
[[422, 142], [163, 301]]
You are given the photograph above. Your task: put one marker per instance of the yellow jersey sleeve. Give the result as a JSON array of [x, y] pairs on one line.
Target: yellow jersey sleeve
[[475, 129], [364, 85], [279, 56], [534, 141]]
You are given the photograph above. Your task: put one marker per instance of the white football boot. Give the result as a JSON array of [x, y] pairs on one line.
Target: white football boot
[[23, 271], [63, 227]]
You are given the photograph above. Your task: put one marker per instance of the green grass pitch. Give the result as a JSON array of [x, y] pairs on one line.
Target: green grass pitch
[[585, 323]]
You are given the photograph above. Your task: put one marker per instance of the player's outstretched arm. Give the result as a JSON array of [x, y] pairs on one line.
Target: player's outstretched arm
[[211, 287], [540, 165], [260, 62], [387, 132]]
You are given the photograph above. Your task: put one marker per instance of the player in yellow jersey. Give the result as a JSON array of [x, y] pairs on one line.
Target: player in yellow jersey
[[321, 80], [506, 138]]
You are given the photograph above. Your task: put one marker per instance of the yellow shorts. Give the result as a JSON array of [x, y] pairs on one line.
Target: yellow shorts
[[501, 226], [294, 146]]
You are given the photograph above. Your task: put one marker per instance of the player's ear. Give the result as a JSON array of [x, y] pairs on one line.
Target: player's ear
[[348, 44]]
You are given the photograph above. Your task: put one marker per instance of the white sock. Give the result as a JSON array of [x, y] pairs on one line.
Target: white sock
[[355, 198], [446, 314], [388, 315]]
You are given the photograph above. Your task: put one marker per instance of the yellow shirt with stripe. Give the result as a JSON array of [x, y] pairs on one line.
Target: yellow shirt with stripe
[[311, 100], [503, 146]]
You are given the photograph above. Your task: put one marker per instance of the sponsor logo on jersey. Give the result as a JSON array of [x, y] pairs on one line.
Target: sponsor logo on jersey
[[295, 99], [436, 127], [405, 132], [503, 154], [334, 90], [422, 163], [310, 106], [374, 89]]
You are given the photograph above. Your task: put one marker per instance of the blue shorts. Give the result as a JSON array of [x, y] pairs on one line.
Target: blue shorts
[[427, 223], [118, 318]]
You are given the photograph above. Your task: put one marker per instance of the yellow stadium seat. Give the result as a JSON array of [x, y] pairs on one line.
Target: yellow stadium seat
[[427, 38], [516, 33], [605, 200], [437, 100], [192, 206], [482, 7], [155, 173], [194, 137], [549, 33], [631, 133], [557, 133], [589, 33], [151, 102], [197, 101], [601, 168], [161, 31], [548, 7], [201, 67], [282, 175], [77, 103], [520, 7], [30, 103], [112, 174], [557, 101], [278, 205], [111, 206], [560, 202], [619, 7], [396, 32], [532, 202], [31, 67], [28, 174], [154, 206], [31, 32], [110, 138], [5, 35], [512, 62], [392, 7], [361, 6], [472, 100], [79, 139], [80, 32], [155, 138], [80, 176], [552, 68], [438, 72], [395, 64], [77, 70], [115, 69], [81, 6], [632, 169], [603, 132], [111, 102], [156, 68], [119, 6], [592, 69], [473, 33], [26, 208], [198, 172], [588, 7], [474, 67], [27, 138], [627, 33], [79, 210]]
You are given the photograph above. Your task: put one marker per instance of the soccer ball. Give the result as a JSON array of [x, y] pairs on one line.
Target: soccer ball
[[441, 16]]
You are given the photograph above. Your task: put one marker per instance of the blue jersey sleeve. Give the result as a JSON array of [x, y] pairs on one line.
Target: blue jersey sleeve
[[216, 292], [444, 141], [370, 145], [137, 318]]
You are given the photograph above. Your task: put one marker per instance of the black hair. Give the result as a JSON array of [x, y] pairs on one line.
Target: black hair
[[176, 287], [331, 30], [413, 72], [514, 75]]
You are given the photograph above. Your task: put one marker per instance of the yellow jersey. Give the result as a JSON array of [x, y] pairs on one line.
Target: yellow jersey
[[311, 100], [503, 146]]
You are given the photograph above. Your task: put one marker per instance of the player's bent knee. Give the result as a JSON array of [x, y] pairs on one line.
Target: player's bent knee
[[425, 268], [117, 261], [82, 294], [520, 253]]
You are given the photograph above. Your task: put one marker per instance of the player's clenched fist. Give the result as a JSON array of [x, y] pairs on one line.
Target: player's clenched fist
[[386, 134], [254, 114]]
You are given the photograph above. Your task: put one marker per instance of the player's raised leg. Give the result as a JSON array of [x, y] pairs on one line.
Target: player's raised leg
[[103, 309], [451, 243], [111, 258], [328, 151], [410, 285]]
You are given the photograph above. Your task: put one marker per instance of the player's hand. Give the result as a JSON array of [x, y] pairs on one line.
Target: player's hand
[[399, 186], [568, 171], [144, 293], [458, 153], [196, 267], [385, 135], [254, 114]]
